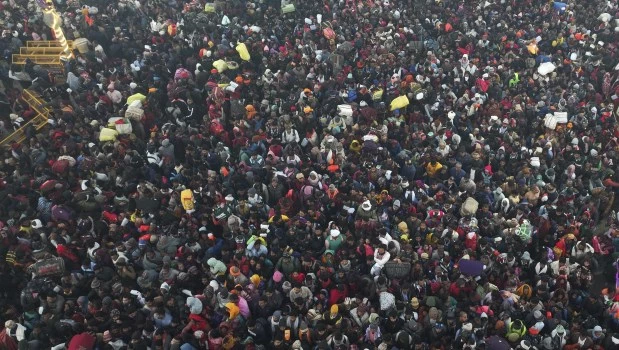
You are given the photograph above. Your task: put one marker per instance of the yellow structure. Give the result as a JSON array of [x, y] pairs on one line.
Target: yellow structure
[[37, 122], [53, 20], [43, 53]]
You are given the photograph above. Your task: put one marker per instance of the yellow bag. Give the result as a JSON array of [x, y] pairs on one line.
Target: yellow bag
[[172, 29], [377, 95], [220, 65], [533, 49], [399, 102], [108, 134], [187, 199], [242, 50], [209, 7]]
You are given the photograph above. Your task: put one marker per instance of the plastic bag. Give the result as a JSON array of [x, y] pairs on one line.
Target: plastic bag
[[550, 121], [134, 113], [209, 7], [377, 95], [546, 68], [288, 8], [225, 21], [344, 110], [399, 102], [220, 65], [123, 126], [243, 52], [108, 134]]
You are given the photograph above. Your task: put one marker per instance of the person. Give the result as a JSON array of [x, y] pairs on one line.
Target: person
[[257, 174]]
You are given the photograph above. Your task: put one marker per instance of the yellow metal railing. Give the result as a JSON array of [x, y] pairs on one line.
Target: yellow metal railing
[[47, 43], [43, 60], [42, 50], [39, 121], [36, 102]]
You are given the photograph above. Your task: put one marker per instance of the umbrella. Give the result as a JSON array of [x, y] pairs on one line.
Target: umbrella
[[136, 97], [471, 267], [497, 343], [82, 341]]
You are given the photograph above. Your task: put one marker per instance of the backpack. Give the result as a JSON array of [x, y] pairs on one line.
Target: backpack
[[516, 331], [524, 291], [30, 294], [307, 192], [60, 166], [87, 164]]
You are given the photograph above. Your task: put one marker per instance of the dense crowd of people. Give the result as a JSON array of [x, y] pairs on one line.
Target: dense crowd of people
[[359, 174]]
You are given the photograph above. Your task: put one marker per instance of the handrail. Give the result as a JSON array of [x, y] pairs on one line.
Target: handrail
[[54, 50], [19, 135], [38, 121], [45, 60], [47, 43]]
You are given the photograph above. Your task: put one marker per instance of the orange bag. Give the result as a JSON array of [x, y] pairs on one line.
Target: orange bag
[[327, 31]]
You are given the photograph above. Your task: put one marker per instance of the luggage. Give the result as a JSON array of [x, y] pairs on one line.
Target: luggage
[[209, 7], [243, 52], [220, 65], [288, 8], [108, 134], [61, 213], [47, 267], [399, 102], [123, 126], [469, 207], [60, 166], [344, 110], [30, 294], [327, 31], [187, 199], [397, 270]]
